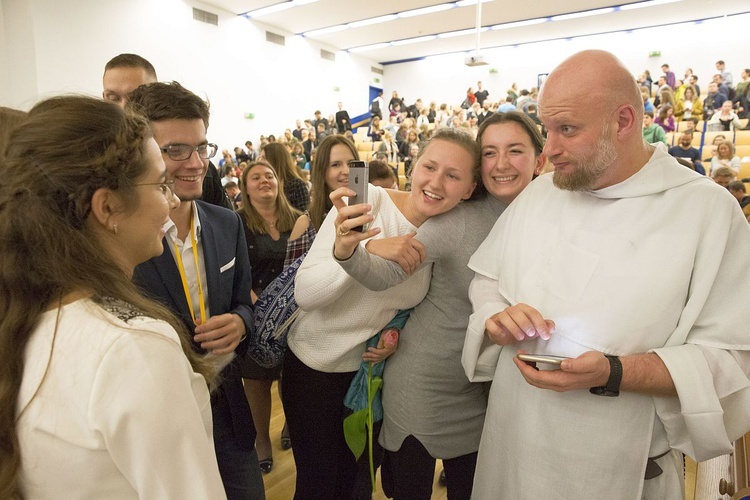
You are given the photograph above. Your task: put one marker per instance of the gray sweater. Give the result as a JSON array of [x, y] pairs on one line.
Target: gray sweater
[[426, 393]]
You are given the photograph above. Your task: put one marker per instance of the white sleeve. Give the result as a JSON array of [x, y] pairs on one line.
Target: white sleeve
[[710, 367], [154, 414], [712, 409], [320, 280], [480, 354]]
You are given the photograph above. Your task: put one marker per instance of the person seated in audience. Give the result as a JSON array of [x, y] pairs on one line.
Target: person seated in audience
[[691, 125], [432, 112], [321, 132], [686, 151], [692, 81], [309, 143], [381, 174], [689, 106], [725, 157], [412, 138], [713, 101], [723, 176], [739, 191], [726, 117], [666, 118], [395, 101], [240, 154], [233, 193], [507, 105], [409, 158], [718, 139], [442, 115], [742, 97], [298, 153], [230, 174], [375, 131], [721, 85], [102, 396], [652, 133], [422, 119], [647, 104], [389, 147], [308, 165], [665, 96]]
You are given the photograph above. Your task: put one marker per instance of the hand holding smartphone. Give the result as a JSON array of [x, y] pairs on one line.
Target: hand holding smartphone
[[359, 175]]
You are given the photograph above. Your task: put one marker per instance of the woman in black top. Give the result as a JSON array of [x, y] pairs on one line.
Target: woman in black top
[[268, 219]]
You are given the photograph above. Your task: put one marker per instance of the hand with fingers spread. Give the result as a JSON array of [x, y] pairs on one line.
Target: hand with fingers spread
[[406, 251], [349, 217], [220, 334], [516, 323], [590, 369]]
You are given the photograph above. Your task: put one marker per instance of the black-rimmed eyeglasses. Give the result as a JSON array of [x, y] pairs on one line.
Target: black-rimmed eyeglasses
[[181, 152]]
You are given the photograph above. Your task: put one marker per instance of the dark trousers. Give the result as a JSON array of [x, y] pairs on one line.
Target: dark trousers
[[238, 466], [314, 407], [408, 473]]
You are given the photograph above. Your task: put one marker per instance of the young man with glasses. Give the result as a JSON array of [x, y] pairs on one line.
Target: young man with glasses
[[126, 72], [203, 276]]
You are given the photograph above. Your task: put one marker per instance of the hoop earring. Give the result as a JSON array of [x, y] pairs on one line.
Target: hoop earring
[[114, 228]]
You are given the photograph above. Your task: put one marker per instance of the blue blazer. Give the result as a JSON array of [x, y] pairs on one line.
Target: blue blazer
[[228, 285]]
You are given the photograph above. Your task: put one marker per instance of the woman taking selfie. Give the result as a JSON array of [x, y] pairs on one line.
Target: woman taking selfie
[[338, 315], [430, 407], [93, 373], [268, 220]]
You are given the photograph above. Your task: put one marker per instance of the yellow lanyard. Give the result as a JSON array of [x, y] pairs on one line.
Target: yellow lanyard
[[181, 268]]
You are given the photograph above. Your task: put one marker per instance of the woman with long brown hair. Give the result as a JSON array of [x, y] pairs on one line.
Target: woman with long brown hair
[[268, 219], [290, 181], [90, 370]]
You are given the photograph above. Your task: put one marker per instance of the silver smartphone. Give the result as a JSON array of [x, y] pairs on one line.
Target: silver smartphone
[[359, 175], [541, 358]]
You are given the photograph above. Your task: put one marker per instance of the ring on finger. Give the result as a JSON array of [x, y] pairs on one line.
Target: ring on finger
[[342, 231]]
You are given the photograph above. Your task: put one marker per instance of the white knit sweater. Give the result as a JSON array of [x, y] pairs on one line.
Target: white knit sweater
[[338, 314]]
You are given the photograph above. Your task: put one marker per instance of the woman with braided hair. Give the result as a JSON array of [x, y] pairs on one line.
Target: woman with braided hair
[[91, 371]]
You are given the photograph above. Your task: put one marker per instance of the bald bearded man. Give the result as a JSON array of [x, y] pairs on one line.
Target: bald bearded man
[[624, 262]]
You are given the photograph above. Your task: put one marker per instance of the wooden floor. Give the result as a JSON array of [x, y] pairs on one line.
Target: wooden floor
[[280, 481]]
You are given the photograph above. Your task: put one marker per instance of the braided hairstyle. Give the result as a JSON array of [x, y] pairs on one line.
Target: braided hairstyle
[[66, 149]]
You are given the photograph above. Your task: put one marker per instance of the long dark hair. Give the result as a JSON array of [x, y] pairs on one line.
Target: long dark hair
[[321, 204], [282, 162], [65, 150]]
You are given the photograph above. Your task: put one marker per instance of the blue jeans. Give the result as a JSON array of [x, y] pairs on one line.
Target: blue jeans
[[238, 467]]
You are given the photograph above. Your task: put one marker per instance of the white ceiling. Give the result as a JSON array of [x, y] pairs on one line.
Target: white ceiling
[[326, 13]]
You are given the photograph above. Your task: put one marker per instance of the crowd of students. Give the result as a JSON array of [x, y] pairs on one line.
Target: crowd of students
[[129, 279]]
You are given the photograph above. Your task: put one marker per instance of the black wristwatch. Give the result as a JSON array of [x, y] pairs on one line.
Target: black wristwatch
[[612, 389]]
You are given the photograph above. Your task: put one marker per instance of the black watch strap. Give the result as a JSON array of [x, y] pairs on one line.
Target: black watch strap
[[612, 389]]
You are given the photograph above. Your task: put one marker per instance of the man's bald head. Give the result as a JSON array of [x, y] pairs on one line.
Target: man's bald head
[[594, 130], [608, 83]]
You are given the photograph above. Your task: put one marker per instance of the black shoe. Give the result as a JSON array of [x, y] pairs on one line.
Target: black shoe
[[286, 441], [266, 465], [441, 478]]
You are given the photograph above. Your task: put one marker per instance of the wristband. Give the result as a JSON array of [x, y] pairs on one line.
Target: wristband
[[612, 389]]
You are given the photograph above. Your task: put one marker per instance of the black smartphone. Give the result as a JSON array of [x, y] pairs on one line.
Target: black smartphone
[[359, 175]]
